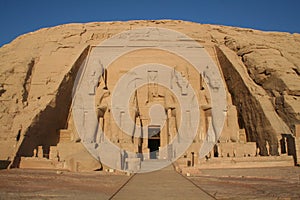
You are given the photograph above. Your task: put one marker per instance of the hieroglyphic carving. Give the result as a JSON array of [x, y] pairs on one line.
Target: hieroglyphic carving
[[93, 82], [211, 78], [152, 84], [182, 79], [102, 108], [96, 77]]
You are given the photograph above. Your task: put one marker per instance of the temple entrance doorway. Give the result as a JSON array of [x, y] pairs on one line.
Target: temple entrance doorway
[[154, 140]]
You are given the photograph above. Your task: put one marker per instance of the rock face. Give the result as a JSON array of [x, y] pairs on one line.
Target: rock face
[[38, 70]]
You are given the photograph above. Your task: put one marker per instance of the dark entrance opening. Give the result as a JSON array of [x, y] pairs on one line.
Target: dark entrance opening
[[154, 140]]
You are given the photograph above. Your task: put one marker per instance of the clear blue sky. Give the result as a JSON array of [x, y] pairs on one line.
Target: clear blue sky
[[21, 16]]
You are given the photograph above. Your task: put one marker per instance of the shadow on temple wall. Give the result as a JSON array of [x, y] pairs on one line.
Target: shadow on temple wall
[[44, 131], [250, 113], [288, 146]]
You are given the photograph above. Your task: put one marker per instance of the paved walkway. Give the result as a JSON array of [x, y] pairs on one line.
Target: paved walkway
[[162, 184]]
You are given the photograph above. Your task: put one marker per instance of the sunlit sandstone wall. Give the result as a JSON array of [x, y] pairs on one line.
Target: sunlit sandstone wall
[[36, 67]]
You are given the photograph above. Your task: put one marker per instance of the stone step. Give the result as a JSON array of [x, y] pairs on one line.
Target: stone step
[[39, 163], [247, 162], [154, 165]]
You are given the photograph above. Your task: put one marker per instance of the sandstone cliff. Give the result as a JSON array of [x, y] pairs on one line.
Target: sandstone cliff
[[37, 71]]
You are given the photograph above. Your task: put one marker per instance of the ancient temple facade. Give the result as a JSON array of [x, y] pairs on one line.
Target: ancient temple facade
[[148, 98]]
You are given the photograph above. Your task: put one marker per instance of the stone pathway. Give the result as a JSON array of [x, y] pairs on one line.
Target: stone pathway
[[162, 184]]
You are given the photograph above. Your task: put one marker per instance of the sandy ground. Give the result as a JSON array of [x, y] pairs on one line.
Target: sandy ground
[[46, 184], [255, 183]]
